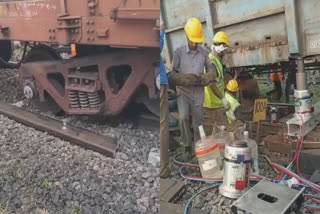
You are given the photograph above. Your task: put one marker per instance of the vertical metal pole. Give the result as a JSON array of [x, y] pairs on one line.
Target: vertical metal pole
[[301, 75]]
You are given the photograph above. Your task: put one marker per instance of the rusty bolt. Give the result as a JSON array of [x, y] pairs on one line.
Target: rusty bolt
[[76, 21], [77, 31], [49, 29], [92, 31], [91, 4], [88, 39], [53, 37], [60, 22], [53, 30], [88, 22], [92, 22], [50, 37]]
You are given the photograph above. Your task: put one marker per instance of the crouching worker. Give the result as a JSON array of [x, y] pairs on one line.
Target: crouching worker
[[231, 97]]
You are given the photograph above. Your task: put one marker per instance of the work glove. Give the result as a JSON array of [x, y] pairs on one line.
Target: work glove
[[179, 79], [231, 115], [207, 78], [226, 104]]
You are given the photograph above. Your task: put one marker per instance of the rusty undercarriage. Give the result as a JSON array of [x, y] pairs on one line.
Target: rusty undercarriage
[[117, 52]]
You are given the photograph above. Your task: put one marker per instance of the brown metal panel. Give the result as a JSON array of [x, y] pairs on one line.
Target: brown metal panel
[[114, 23]]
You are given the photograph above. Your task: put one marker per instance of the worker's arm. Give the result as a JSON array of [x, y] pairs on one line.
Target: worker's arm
[[179, 79], [215, 90]]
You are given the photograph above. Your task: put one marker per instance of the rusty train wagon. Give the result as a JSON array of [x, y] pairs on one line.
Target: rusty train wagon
[[115, 46]]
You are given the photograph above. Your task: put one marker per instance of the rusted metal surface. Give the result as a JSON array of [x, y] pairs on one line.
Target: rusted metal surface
[[89, 85], [171, 190], [274, 143], [99, 143], [117, 51], [120, 23], [148, 122]]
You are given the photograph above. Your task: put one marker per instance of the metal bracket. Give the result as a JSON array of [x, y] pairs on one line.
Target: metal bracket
[[72, 26], [4, 29], [92, 4]]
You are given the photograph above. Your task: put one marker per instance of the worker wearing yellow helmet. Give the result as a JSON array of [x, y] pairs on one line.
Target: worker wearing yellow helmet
[[215, 106], [191, 58], [231, 96]]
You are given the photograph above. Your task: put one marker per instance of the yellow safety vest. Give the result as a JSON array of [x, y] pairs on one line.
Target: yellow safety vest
[[234, 104], [210, 99]]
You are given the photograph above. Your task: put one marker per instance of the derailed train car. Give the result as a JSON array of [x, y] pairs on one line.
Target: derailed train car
[[115, 48], [260, 32]]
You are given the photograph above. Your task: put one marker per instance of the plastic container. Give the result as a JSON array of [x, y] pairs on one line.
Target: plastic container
[[208, 155], [254, 149], [222, 138]]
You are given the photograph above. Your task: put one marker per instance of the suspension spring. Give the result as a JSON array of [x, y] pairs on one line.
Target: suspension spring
[[84, 101], [74, 99], [94, 100]]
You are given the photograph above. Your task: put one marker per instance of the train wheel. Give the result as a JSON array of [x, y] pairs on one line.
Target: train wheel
[[44, 53], [152, 105]]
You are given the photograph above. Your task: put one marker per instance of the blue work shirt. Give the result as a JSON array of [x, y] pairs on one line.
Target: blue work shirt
[[163, 74]]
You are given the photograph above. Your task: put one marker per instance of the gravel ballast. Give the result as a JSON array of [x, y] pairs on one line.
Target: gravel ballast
[[40, 173]]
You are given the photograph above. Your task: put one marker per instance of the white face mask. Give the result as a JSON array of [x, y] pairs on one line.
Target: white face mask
[[219, 48]]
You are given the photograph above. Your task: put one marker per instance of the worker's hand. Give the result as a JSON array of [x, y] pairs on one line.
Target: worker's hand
[[231, 115], [207, 78], [226, 104]]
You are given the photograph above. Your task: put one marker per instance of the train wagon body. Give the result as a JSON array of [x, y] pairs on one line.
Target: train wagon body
[[260, 32], [115, 47]]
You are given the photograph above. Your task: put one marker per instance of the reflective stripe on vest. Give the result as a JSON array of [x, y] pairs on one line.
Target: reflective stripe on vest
[[210, 99], [234, 104]]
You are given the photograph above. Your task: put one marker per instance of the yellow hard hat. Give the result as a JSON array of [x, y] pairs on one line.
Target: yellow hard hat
[[221, 37], [194, 30], [233, 86]]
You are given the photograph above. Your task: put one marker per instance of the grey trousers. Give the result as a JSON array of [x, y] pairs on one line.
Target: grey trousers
[[189, 111]]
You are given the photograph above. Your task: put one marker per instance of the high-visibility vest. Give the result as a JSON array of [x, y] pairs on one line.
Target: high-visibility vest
[[234, 104], [210, 99]]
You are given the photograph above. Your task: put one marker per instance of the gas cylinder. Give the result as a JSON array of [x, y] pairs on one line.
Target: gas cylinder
[[236, 168]]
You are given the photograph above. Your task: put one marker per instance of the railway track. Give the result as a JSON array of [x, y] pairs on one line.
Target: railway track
[[91, 140], [79, 136]]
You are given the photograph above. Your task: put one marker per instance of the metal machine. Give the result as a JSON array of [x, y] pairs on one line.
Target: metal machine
[[271, 198], [303, 121], [237, 166], [115, 52]]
